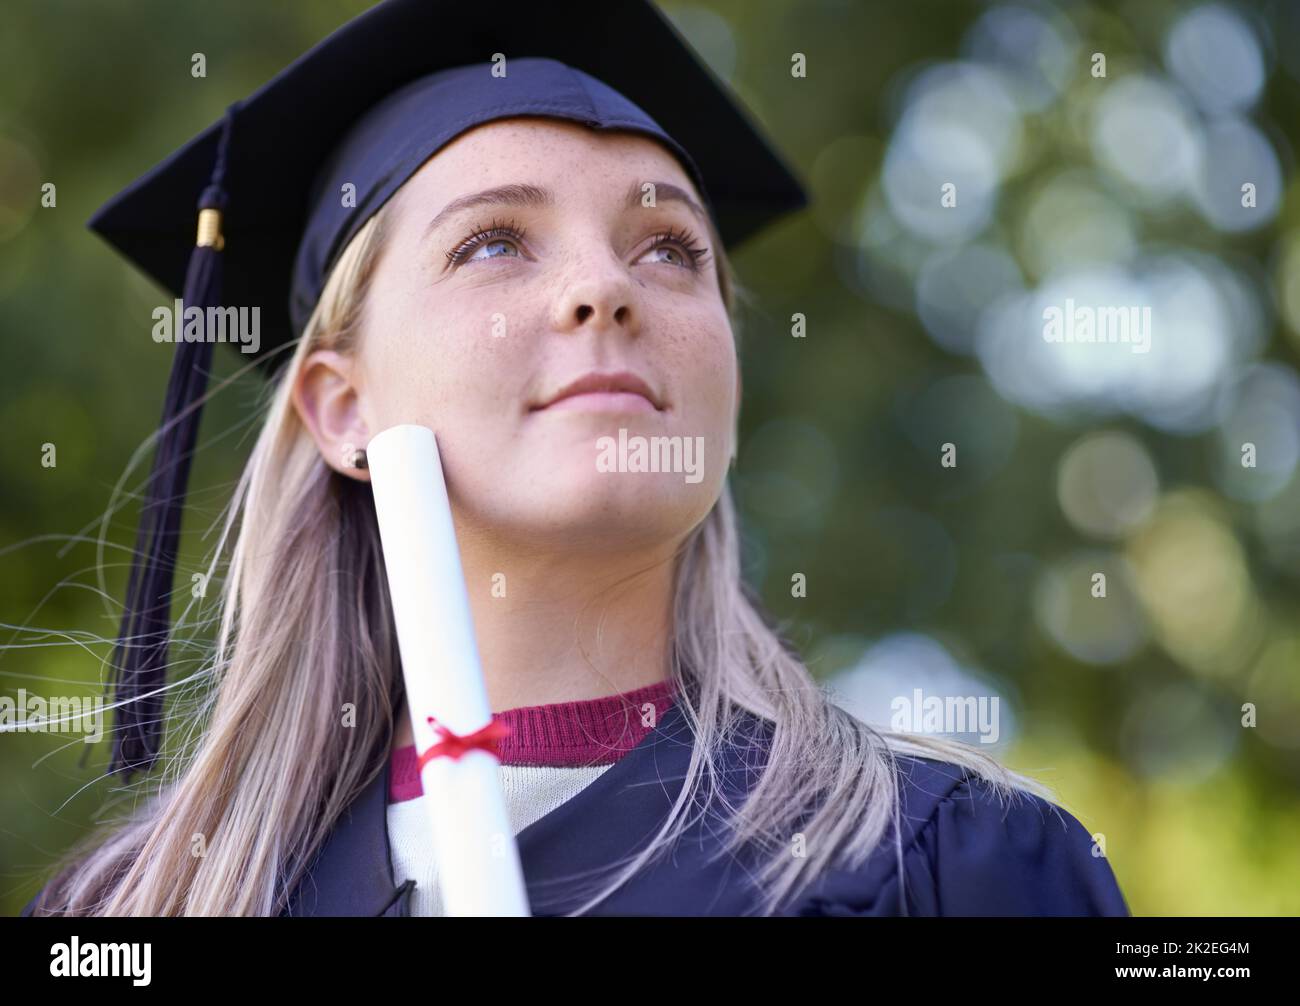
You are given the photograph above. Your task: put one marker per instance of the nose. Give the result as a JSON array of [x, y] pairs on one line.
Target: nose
[[600, 296]]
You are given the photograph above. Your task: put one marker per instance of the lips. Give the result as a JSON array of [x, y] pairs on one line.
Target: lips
[[610, 385]]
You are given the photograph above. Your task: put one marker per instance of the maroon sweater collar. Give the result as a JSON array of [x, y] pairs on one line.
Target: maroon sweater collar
[[575, 734]]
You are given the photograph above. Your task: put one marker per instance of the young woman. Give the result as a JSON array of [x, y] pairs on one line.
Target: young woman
[[516, 292]]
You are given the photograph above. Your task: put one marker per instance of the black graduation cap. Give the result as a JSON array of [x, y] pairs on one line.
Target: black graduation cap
[[368, 106]]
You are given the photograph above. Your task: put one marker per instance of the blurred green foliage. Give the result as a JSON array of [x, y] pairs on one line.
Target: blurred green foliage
[[92, 95]]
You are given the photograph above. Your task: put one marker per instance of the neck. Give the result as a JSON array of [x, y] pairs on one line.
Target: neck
[[570, 626]]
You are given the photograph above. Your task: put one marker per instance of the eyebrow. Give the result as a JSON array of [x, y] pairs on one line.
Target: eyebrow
[[523, 194]]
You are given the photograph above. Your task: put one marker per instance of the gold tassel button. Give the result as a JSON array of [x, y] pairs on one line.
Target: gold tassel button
[[210, 230]]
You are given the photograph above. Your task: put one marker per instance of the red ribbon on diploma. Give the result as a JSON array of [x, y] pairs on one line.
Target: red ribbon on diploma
[[453, 745]]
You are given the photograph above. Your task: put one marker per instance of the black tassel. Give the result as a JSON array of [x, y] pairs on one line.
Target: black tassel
[[140, 658]]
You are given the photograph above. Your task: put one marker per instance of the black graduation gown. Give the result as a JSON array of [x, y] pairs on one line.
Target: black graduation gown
[[963, 852]]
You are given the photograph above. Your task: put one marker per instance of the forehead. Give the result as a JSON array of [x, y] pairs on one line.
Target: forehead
[[558, 153]]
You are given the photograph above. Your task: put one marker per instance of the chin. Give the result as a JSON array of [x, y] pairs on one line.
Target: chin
[[613, 510]]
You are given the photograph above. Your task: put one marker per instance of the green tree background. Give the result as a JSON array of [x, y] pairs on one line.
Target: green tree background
[[919, 332]]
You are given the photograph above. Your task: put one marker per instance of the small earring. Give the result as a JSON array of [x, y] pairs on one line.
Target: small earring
[[359, 459]]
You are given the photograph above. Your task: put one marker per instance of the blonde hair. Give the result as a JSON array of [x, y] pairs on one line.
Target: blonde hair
[[261, 770]]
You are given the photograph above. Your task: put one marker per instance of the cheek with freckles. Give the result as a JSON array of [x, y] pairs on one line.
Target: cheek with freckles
[[699, 352], [452, 361]]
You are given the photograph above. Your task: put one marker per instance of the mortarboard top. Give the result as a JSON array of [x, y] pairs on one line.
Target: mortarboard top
[[368, 106]]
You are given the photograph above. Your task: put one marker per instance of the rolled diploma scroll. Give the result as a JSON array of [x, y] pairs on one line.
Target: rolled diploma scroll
[[478, 858]]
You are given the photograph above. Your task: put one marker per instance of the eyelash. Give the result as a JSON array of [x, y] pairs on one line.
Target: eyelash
[[687, 241], [484, 235], [698, 256]]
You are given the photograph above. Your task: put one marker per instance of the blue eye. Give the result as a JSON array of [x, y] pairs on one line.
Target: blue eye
[[679, 259], [690, 253], [492, 243], [496, 234], [684, 250]]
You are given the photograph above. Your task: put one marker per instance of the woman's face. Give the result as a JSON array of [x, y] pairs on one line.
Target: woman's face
[[485, 307]]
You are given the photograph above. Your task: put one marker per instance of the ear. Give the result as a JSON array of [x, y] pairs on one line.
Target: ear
[[328, 402]]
